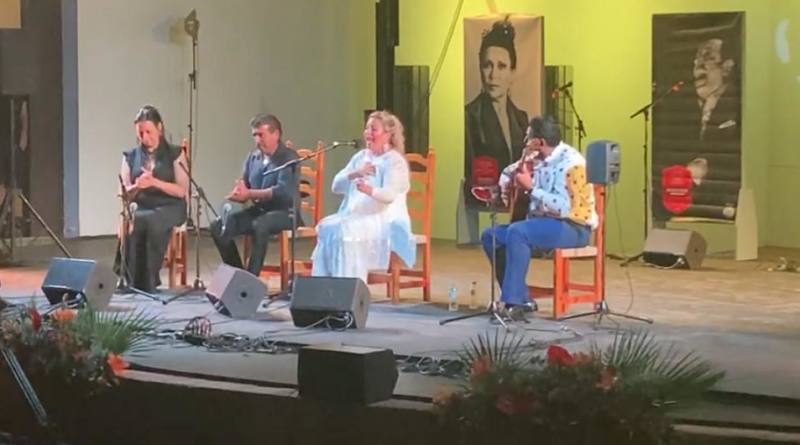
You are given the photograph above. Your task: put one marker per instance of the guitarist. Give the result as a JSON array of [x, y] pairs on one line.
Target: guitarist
[[560, 213]]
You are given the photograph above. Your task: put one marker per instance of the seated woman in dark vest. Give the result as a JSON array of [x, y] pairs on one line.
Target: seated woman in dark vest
[[153, 179]]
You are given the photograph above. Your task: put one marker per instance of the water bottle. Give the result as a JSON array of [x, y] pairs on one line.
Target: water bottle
[[452, 296], [473, 297]]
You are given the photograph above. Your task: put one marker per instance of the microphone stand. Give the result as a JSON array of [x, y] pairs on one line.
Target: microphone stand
[[581, 128], [192, 94], [645, 112], [492, 310], [289, 292], [198, 195], [122, 280]]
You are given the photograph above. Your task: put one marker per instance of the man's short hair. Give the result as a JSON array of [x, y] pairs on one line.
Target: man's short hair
[[266, 119], [547, 128]]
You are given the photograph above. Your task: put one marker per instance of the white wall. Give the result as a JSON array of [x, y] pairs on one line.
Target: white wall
[[311, 62]]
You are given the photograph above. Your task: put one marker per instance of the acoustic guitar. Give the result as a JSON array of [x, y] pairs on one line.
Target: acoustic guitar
[[519, 199]]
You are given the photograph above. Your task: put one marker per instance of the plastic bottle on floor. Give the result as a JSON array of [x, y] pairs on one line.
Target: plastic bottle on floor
[[452, 299], [473, 297]]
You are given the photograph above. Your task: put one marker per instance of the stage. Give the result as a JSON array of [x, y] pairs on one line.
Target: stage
[[738, 315]]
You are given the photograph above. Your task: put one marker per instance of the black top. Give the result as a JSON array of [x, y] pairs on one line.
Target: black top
[[483, 136], [282, 183], [162, 163]]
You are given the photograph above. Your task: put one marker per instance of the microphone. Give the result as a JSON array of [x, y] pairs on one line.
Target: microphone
[[561, 89], [352, 142], [226, 211]]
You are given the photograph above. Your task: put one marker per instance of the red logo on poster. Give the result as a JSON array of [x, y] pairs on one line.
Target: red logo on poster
[[484, 171], [676, 186]]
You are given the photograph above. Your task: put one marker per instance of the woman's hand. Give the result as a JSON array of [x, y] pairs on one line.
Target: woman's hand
[[146, 180], [364, 188], [366, 170]]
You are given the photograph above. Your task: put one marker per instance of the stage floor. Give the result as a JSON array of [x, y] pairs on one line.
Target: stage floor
[[738, 315]]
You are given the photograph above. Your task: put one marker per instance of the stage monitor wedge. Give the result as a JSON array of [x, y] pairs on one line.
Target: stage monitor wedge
[[346, 374], [235, 292], [315, 298], [674, 248], [68, 279]]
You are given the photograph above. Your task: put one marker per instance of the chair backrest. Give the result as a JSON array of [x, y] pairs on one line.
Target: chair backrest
[[312, 176], [420, 196]]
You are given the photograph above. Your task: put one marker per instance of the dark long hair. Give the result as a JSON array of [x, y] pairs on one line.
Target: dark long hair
[[151, 114]]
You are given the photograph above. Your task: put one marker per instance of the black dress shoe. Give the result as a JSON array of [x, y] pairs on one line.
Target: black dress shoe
[[515, 312]]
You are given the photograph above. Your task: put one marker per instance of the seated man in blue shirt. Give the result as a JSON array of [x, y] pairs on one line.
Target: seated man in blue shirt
[[271, 194]]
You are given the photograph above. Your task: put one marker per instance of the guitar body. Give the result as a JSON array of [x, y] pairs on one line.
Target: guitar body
[[518, 204]]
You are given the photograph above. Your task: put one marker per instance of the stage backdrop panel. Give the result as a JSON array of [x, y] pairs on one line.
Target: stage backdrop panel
[[696, 164], [503, 82]]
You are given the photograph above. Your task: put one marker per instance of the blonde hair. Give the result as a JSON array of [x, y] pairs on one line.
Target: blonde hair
[[393, 126]]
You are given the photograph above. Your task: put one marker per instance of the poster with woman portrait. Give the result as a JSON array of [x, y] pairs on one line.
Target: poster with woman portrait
[[697, 127], [503, 83]]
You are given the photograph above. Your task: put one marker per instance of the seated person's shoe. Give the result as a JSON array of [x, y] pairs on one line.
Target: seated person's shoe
[[530, 307], [515, 312]]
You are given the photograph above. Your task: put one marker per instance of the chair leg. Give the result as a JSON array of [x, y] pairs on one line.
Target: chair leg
[[171, 262], [426, 272], [394, 279], [184, 261], [559, 278]]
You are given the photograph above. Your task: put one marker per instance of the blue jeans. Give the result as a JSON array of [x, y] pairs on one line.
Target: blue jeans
[[516, 241]]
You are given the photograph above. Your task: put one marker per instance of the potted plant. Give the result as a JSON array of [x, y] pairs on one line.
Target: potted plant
[[617, 395]]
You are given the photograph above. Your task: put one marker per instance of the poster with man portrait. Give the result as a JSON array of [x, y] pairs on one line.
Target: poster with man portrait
[[697, 126], [503, 83]]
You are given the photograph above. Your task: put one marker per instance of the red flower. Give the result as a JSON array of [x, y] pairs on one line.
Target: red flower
[[63, 315], [505, 404], [117, 364], [558, 356], [36, 319], [480, 366], [607, 379]]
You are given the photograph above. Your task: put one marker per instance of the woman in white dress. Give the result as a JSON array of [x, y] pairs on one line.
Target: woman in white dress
[[372, 221]]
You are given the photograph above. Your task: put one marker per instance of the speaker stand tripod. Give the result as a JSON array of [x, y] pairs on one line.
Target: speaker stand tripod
[[601, 309], [492, 309]]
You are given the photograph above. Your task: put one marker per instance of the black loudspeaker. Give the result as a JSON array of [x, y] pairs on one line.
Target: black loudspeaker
[[315, 298], [235, 292], [674, 248], [602, 162], [346, 374], [410, 104], [68, 279]]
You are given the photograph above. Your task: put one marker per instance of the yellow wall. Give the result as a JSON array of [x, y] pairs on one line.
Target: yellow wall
[[608, 43], [783, 151]]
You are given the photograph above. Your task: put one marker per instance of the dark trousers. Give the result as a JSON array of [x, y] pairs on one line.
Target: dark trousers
[[147, 243], [257, 223]]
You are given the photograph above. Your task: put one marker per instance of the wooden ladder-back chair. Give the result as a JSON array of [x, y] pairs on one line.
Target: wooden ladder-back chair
[[311, 176], [420, 205], [312, 187], [175, 259], [566, 292]]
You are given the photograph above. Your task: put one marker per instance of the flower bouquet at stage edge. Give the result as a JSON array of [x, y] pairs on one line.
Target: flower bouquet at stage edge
[[617, 395], [69, 356]]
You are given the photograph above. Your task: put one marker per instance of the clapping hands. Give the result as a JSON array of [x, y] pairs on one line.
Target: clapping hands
[[240, 192]]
